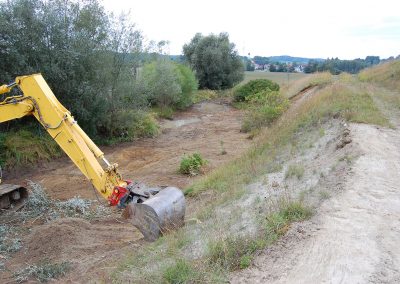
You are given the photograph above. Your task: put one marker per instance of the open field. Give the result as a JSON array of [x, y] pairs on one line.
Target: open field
[[279, 77]]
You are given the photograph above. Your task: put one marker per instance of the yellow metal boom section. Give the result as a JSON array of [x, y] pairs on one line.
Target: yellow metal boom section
[[38, 100]]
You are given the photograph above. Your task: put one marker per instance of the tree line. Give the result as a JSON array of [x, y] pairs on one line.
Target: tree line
[[337, 66], [100, 68]]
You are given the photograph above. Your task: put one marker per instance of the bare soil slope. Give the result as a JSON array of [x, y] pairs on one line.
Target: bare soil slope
[[354, 237]]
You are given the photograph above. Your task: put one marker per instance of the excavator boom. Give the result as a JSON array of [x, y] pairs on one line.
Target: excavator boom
[[38, 100]]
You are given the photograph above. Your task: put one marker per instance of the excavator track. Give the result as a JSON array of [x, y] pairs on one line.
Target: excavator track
[[12, 197]]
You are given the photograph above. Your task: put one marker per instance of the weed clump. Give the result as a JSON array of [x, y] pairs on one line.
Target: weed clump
[[278, 223], [180, 272], [233, 252], [294, 171], [192, 164], [43, 272]]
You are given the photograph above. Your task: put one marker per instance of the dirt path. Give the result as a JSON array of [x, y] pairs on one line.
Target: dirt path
[[354, 237]]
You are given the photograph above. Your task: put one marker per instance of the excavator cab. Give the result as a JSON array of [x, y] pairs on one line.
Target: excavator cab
[[154, 211]]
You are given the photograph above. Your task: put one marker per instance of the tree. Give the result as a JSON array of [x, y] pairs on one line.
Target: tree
[[249, 65], [87, 56], [167, 84], [261, 60], [215, 61]]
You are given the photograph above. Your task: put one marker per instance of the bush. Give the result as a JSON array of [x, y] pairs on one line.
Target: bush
[[265, 107], [192, 164], [189, 85], [253, 87], [167, 84], [128, 125]]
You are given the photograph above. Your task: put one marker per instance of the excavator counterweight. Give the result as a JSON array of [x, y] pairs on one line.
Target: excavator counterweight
[[153, 211]]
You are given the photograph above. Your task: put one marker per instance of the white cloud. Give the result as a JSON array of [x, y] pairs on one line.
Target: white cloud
[[345, 29]]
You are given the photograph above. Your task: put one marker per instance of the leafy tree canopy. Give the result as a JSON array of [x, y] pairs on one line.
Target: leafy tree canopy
[[215, 61]]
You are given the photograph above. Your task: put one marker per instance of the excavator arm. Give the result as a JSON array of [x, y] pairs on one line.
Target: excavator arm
[[38, 100], [155, 210]]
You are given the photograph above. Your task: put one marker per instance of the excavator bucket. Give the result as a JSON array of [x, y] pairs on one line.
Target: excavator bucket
[[161, 213], [12, 197]]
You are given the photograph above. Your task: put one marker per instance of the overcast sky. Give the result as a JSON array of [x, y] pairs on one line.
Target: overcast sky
[[308, 28]]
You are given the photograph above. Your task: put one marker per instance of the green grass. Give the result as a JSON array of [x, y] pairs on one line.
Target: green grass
[[23, 147], [180, 272], [317, 79], [386, 74]]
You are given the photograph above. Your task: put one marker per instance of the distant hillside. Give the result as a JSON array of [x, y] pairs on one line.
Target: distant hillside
[[287, 58]]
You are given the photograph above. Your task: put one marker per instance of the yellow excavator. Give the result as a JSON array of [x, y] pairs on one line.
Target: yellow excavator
[[152, 210]]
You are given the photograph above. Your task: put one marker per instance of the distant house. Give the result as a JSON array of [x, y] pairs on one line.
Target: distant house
[[299, 68], [260, 66]]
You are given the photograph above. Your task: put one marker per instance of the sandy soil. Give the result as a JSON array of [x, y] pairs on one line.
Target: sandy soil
[[354, 237], [154, 161], [94, 247]]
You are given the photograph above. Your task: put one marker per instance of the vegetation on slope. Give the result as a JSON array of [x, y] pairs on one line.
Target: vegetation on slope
[[386, 74]]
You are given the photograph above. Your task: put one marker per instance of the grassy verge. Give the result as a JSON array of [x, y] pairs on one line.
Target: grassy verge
[[386, 74], [210, 245], [383, 82], [23, 147], [317, 79]]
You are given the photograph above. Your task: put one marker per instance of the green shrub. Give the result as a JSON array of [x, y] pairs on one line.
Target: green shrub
[[167, 84], [192, 164], [189, 85], [128, 125], [265, 107], [180, 272], [253, 87]]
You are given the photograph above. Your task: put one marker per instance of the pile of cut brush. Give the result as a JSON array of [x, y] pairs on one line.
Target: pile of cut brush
[[39, 206]]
